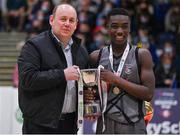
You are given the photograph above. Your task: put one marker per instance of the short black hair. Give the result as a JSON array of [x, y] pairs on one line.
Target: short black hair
[[118, 11]]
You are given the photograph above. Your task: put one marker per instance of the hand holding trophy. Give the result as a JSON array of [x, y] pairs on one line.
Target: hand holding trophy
[[90, 95]]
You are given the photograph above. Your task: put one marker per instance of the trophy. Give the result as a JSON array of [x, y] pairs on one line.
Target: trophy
[[92, 95], [90, 86]]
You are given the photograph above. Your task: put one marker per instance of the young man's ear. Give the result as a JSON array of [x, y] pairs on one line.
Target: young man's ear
[[107, 26], [129, 27]]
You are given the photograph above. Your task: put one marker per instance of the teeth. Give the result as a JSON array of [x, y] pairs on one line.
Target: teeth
[[119, 36]]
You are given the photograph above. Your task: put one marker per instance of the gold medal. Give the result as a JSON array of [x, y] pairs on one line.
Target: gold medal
[[116, 90]]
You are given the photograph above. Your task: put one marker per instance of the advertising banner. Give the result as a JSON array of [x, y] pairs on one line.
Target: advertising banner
[[166, 119], [10, 114]]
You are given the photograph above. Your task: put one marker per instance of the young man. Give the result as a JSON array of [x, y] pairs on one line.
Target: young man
[[47, 73], [129, 73]]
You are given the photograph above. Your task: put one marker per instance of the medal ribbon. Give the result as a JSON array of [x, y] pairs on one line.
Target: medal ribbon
[[122, 61], [80, 121], [102, 88]]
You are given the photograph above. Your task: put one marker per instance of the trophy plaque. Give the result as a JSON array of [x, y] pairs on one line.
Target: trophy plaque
[[90, 85]]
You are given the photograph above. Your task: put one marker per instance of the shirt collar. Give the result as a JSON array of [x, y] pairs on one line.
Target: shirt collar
[[59, 41]]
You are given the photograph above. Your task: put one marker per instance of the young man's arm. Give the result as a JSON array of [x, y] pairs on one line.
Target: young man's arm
[[94, 57]]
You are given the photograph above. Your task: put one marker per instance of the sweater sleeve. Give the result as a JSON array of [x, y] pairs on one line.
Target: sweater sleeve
[[31, 78]]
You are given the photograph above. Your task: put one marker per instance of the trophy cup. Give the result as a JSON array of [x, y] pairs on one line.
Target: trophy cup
[[90, 84]]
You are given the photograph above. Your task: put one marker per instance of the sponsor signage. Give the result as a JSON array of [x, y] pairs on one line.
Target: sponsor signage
[[166, 119]]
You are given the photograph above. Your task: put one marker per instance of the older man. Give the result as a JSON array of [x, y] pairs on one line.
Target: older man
[[47, 73]]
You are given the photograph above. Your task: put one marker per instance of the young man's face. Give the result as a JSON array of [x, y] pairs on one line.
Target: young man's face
[[119, 28]]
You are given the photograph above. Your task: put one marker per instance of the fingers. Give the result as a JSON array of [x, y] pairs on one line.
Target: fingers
[[89, 99], [89, 95], [107, 76], [71, 73], [76, 67]]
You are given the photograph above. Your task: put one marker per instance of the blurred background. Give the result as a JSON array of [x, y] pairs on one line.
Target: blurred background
[[155, 26]]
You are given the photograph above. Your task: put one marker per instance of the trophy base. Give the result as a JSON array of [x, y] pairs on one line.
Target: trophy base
[[92, 110]]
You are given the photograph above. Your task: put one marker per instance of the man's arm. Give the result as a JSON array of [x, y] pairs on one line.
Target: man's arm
[[31, 77], [143, 91]]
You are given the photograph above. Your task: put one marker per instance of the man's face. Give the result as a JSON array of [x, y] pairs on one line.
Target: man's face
[[119, 28], [64, 22]]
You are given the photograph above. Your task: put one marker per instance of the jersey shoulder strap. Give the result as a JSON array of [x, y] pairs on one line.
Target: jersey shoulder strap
[[99, 56], [137, 60]]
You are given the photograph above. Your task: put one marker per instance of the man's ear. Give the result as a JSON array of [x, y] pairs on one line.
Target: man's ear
[[51, 19], [76, 24]]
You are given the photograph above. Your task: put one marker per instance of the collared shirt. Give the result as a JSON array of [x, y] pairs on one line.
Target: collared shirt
[[70, 95]]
